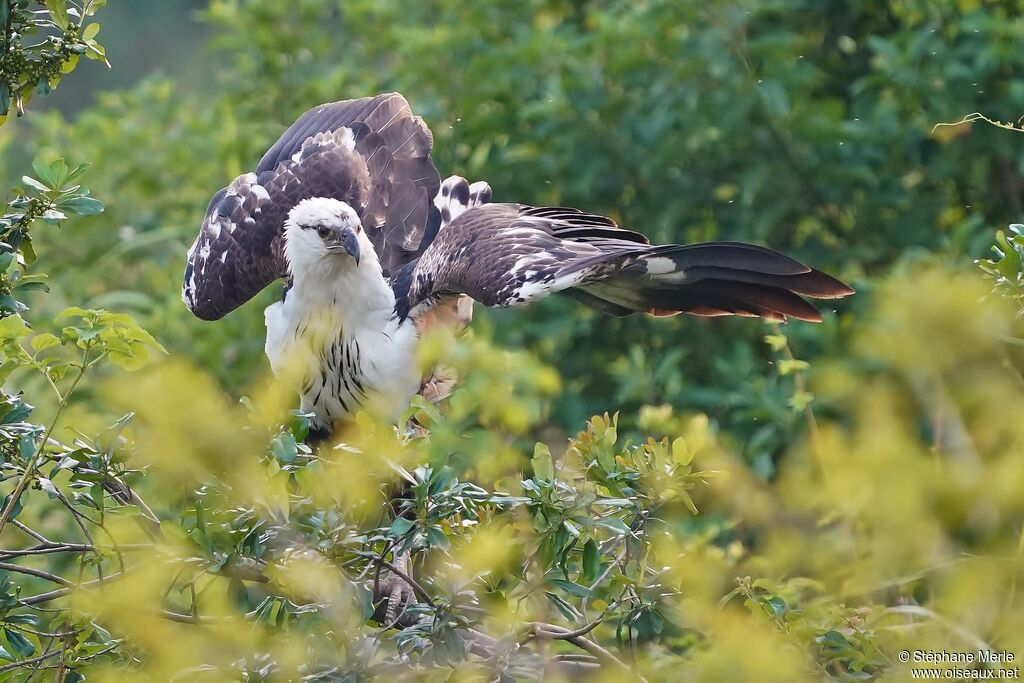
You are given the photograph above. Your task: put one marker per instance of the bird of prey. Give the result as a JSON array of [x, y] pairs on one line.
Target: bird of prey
[[348, 209]]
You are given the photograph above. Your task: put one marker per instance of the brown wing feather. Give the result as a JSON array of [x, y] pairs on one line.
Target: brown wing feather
[[508, 254], [388, 178], [240, 247]]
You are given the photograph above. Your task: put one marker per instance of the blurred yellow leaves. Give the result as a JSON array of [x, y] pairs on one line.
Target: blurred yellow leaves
[[917, 501], [903, 530]]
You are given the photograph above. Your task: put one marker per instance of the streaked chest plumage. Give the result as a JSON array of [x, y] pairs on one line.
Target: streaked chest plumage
[[344, 349]]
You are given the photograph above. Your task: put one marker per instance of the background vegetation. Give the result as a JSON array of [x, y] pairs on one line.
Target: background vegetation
[[744, 502]]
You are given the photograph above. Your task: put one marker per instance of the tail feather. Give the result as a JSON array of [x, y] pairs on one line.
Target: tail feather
[[813, 283], [737, 255], [710, 279], [724, 297], [456, 195]]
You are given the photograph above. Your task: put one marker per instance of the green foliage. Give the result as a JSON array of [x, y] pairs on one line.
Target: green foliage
[[809, 130], [62, 36], [1006, 270], [49, 198], [91, 468]]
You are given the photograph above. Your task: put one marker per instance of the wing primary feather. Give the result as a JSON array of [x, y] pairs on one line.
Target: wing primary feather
[[509, 254]]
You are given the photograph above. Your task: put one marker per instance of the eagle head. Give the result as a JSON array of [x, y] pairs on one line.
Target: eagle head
[[321, 231]]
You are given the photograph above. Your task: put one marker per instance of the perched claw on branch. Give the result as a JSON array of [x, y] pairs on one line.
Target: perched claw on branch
[[394, 595]]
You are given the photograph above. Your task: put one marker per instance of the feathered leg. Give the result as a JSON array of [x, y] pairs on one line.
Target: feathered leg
[[456, 313]]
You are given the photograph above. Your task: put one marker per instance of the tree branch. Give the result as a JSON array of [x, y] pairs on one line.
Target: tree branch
[[11, 567], [605, 657], [34, 534], [61, 592], [29, 662]]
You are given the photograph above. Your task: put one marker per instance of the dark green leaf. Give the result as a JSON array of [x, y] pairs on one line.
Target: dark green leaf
[[591, 560], [570, 587], [46, 173], [284, 448], [400, 527], [83, 206], [19, 643], [437, 539]]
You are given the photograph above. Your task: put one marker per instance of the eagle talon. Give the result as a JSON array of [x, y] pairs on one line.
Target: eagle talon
[[395, 596]]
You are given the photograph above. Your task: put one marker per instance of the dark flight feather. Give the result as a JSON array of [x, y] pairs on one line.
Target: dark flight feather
[[388, 179], [509, 254]]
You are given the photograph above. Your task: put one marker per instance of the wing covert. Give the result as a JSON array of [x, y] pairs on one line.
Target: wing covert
[[371, 153], [240, 247]]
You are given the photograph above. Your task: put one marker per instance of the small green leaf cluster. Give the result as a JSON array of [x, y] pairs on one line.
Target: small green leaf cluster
[[1006, 270], [49, 196], [62, 36]]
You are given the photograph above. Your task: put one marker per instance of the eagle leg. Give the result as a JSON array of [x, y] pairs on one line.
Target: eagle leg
[[394, 595], [318, 436], [435, 388]]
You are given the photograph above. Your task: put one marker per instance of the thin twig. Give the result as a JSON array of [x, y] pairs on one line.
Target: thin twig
[[604, 575], [11, 567], [577, 658], [61, 592], [34, 534], [975, 641], [34, 460], [46, 549], [566, 635], [29, 662], [78, 516]]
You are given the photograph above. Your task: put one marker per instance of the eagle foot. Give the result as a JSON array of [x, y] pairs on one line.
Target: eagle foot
[[393, 596]]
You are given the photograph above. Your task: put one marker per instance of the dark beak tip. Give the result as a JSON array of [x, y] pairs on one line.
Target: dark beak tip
[[350, 242]]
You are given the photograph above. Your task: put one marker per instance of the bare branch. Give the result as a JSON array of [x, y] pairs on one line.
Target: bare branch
[[34, 534], [29, 662], [11, 567], [559, 633], [61, 592], [607, 658]]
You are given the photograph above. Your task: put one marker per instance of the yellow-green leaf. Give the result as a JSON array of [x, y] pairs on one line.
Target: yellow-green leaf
[[129, 361], [13, 327], [680, 452], [543, 466], [43, 341], [59, 12]]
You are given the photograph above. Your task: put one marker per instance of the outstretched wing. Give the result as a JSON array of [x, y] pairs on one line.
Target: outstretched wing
[[371, 153], [508, 254]]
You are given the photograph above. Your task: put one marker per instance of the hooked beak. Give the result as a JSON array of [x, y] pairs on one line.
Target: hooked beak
[[345, 240]]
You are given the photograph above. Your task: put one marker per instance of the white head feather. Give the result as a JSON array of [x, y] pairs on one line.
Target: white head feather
[[304, 247]]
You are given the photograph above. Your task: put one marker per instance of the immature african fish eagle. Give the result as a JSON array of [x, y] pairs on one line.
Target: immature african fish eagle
[[348, 210]]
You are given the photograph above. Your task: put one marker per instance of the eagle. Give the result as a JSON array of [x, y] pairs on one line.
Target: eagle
[[349, 211]]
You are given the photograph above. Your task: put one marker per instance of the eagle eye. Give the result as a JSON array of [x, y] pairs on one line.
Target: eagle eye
[[323, 232]]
